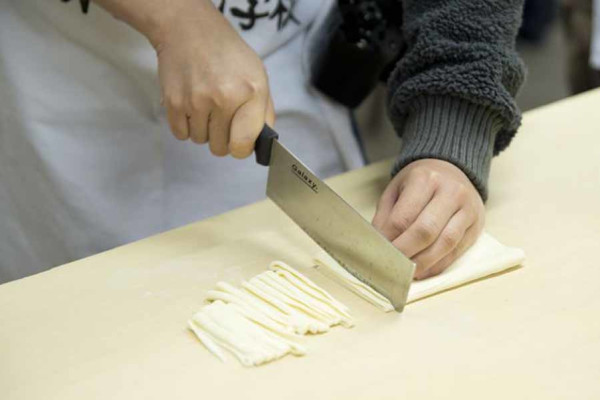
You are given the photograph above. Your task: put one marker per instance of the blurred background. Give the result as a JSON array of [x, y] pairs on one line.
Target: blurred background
[[554, 43]]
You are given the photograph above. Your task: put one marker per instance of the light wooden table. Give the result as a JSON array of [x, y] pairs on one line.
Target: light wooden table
[[113, 326]]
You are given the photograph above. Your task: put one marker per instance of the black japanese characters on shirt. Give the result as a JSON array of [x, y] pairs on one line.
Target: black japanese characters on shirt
[[255, 10], [247, 16]]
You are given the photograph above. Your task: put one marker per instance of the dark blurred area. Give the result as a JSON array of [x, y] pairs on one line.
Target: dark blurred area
[[554, 42], [538, 16], [542, 45], [577, 17]]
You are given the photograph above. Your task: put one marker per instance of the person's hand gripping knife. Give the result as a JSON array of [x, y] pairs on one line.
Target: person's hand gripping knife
[[214, 86], [215, 90]]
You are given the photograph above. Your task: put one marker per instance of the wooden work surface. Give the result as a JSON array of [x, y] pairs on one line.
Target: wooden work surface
[[113, 326]]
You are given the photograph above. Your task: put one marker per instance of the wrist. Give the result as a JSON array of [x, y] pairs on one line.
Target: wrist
[[155, 19], [452, 130], [174, 16]]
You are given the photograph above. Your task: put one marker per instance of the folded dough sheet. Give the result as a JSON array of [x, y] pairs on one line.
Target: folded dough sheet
[[486, 257]]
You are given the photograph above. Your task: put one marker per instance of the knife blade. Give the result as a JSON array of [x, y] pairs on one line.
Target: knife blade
[[332, 223]]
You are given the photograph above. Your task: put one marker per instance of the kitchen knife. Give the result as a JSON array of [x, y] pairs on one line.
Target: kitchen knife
[[332, 223]]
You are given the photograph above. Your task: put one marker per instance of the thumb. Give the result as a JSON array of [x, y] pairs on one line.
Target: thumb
[[246, 125], [270, 114]]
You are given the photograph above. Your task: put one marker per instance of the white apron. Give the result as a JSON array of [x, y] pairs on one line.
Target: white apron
[[87, 161]]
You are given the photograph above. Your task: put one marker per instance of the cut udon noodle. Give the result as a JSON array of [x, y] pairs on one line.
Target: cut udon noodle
[[262, 321]]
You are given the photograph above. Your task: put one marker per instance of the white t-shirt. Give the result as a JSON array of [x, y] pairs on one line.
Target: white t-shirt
[[87, 161]]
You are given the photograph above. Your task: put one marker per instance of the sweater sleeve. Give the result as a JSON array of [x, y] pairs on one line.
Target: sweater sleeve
[[451, 95]]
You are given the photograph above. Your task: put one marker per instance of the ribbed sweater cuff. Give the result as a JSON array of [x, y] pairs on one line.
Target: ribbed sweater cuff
[[452, 130]]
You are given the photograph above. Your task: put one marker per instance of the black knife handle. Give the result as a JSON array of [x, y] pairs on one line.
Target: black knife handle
[[263, 145]]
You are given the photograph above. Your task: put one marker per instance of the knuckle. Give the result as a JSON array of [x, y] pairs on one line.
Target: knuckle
[[434, 178], [426, 231], [420, 171], [254, 86], [174, 101], [461, 191], [400, 222], [197, 100], [418, 174], [222, 95], [450, 238], [230, 94], [218, 99], [425, 176]]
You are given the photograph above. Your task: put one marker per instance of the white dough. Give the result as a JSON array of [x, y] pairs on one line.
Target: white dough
[[330, 268], [256, 303], [314, 324], [296, 322], [486, 257], [206, 340], [257, 314], [226, 339], [254, 344], [337, 306], [297, 301], [281, 266], [303, 295], [260, 323]]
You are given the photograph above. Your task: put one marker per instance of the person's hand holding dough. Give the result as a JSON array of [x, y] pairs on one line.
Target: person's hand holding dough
[[432, 213]]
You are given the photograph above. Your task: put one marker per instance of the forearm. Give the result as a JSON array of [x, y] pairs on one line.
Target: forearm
[[154, 18], [452, 94]]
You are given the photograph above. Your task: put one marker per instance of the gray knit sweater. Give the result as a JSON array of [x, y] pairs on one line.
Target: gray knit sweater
[[451, 95]]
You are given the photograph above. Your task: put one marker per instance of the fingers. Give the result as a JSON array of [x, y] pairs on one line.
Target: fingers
[[432, 213], [229, 122], [198, 126], [270, 115], [468, 240], [396, 213], [447, 242], [177, 118], [219, 125], [385, 207], [214, 85], [428, 225], [246, 125]]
